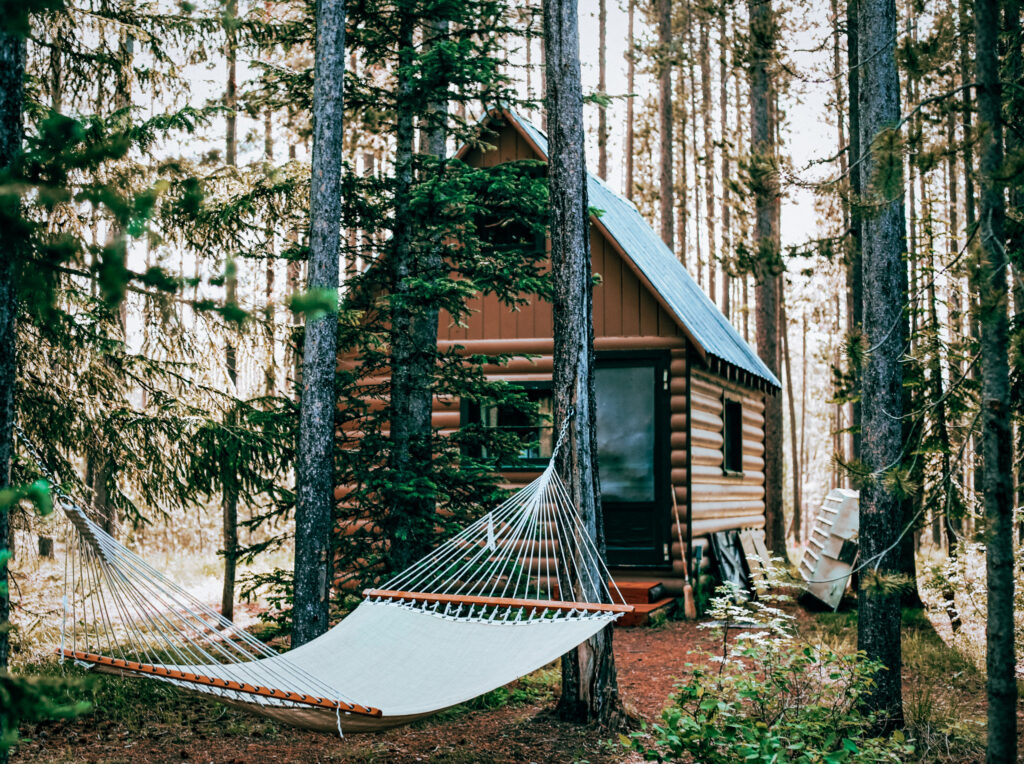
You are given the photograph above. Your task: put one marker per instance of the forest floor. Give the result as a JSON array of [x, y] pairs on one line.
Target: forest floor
[[138, 721]]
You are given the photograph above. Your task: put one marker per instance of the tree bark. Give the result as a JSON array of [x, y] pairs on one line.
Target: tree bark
[[1000, 661], [883, 245], [12, 76], [589, 686], [763, 150], [413, 329], [314, 463], [665, 189]]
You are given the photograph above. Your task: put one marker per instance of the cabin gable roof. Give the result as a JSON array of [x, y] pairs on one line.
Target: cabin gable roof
[[661, 272]]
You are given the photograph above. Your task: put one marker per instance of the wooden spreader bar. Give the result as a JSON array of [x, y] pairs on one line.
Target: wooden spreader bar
[[532, 605], [226, 684]]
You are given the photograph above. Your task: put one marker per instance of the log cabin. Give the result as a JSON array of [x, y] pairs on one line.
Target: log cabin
[[680, 394]]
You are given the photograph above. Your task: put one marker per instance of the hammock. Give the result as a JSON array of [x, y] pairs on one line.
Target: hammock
[[509, 594]]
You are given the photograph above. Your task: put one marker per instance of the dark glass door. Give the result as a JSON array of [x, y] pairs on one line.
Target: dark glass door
[[631, 427]]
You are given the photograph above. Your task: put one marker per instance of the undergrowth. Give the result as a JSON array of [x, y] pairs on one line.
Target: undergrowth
[[769, 696]]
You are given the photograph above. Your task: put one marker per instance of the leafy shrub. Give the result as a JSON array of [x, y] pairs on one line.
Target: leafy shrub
[[770, 699]]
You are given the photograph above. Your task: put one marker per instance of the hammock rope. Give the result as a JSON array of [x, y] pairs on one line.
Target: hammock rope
[[506, 595]]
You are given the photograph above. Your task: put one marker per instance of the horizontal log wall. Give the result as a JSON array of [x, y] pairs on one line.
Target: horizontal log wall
[[628, 315], [720, 501]]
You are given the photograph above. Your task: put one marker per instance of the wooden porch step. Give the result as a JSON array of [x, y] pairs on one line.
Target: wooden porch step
[[641, 614], [640, 592]]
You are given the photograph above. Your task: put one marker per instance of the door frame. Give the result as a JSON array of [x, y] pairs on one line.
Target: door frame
[[660, 359]]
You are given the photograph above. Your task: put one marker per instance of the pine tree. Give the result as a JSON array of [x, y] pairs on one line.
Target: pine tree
[[589, 685], [878, 625], [12, 73], [1000, 660], [767, 263], [315, 463]]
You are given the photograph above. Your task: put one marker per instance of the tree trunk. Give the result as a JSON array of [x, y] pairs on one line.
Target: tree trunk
[[723, 106], [314, 462], [682, 114], [270, 373], [967, 75], [630, 96], [692, 87], [602, 87], [589, 687], [794, 443], [803, 411], [665, 190], [709, 151], [854, 267], [1015, 233], [12, 76], [997, 450], [413, 329], [878, 630], [763, 32], [544, 84], [229, 500]]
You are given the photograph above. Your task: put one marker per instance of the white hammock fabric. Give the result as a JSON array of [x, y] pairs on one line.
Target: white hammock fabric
[[509, 594]]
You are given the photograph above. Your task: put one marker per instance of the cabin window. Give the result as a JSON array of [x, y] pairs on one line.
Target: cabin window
[[732, 435], [534, 432]]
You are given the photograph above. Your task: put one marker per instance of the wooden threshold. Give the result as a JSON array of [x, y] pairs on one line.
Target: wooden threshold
[[456, 599], [225, 684]]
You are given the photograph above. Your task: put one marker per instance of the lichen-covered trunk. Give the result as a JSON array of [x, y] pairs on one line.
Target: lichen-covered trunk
[[314, 498], [997, 450], [589, 686], [763, 151], [12, 74], [883, 246], [413, 331]]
